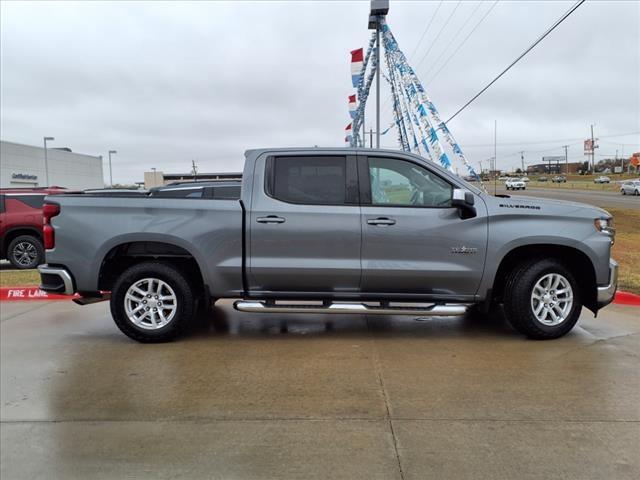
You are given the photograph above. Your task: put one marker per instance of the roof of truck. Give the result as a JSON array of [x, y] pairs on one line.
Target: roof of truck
[[351, 150]]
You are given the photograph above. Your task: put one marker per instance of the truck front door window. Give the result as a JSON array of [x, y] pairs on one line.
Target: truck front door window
[[401, 183]]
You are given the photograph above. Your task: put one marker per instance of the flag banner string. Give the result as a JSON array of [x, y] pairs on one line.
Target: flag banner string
[[416, 118]]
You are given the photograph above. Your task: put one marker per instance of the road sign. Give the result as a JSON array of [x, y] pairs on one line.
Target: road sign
[[588, 147], [553, 159]]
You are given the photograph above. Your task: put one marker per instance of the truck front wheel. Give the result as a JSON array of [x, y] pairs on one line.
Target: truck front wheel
[[152, 302], [542, 299]]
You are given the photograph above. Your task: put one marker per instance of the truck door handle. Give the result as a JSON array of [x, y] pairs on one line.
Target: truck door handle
[[381, 221], [270, 219]]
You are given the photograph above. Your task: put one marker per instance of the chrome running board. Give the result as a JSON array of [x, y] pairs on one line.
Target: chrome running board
[[436, 310]]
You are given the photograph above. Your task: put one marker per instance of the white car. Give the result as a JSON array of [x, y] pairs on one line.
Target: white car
[[630, 188], [515, 184], [602, 179]]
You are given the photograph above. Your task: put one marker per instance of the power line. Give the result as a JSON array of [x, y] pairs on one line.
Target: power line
[[453, 39], [438, 35], [462, 43], [551, 29], [426, 30], [541, 142], [459, 46]]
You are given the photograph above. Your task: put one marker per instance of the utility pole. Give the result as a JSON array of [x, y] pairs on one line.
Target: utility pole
[[566, 158], [522, 160], [593, 152], [364, 131], [379, 9], [495, 156], [194, 170]]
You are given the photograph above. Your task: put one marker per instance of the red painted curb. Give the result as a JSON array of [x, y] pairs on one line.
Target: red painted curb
[[34, 293], [627, 298], [29, 294]]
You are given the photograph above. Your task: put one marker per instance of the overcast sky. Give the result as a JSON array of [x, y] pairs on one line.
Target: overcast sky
[[166, 83]]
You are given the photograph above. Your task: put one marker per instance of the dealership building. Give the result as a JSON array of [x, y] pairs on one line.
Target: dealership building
[[24, 166]]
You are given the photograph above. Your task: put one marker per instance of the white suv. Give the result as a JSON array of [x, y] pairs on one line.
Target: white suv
[[631, 188], [515, 184]]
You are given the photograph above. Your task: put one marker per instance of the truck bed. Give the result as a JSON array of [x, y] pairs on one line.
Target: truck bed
[[211, 231]]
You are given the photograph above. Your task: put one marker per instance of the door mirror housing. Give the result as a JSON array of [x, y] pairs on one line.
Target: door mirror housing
[[464, 200]]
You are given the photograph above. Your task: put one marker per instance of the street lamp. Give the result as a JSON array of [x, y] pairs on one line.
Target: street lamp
[[46, 160], [110, 171]]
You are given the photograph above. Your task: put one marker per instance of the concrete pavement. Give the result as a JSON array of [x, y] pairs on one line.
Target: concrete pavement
[[362, 397]]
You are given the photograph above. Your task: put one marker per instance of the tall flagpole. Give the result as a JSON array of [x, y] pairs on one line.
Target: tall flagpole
[[379, 9], [378, 85]]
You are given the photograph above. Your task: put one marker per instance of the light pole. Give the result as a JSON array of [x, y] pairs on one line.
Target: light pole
[[379, 9], [110, 171], [46, 160]]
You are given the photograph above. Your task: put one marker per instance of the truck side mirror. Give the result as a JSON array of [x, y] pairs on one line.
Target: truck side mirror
[[464, 200]]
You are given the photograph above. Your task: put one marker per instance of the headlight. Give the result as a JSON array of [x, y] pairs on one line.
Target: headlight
[[605, 225]]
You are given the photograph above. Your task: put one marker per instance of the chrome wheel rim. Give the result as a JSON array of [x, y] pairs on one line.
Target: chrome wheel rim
[[25, 254], [552, 299], [150, 303]]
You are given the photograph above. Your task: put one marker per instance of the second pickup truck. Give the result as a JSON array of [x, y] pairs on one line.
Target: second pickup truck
[[339, 231]]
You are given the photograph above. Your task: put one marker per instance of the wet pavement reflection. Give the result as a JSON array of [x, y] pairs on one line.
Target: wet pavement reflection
[[317, 396]]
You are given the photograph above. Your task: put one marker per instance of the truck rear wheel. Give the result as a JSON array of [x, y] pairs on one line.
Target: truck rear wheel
[[542, 299], [152, 302]]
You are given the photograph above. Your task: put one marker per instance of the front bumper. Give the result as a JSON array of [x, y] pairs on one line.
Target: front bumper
[[608, 292], [56, 280]]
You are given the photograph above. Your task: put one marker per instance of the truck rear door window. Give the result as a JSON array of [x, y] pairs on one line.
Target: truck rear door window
[[309, 180]]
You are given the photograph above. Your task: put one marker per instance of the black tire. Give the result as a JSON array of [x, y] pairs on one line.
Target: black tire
[[26, 249], [176, 280], [623, 192], [517, 299]]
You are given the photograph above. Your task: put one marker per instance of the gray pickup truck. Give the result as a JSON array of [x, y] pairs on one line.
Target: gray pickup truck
[[331, 231]]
